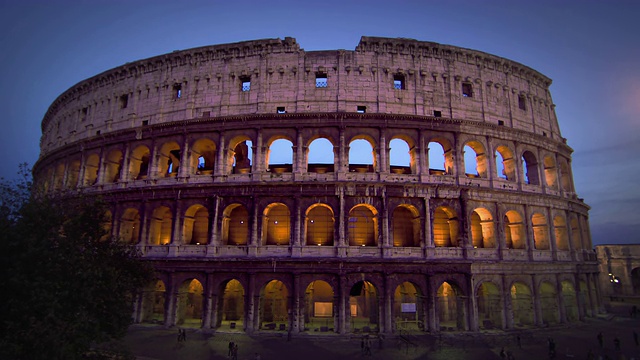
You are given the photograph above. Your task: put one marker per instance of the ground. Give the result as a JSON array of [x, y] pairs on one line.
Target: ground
[[153, 342]]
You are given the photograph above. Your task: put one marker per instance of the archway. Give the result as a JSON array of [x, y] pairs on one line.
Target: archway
[[274, 306], [361, 156], [279, 156], [231, 307], [450, 308], [505, 163], [153, 297], [483, 234], [160, 226], [521, 305], [514, 230], [550, 172], [139, 163], [549, 303], [319, 307], [235, 225], [319, 225], [440, 157], [405, 225], [635, 280], [276, 225], [475, 160], [203, 157], [400, 156], [530, 168], [445, 227], [570, 301], [189, 304], [363, 226], [196, 225], [408, 310], [363, 306], [320, 156], [540, 233], [489, 306], [113, 166], [560, 229]]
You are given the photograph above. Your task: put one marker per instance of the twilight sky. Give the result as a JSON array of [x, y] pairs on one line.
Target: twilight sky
[[590, 49]]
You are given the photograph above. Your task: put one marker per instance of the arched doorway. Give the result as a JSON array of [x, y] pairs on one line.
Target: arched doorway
[[549, 303], [189, 304], [489, 306], [319, 307], [450, 308], [522, 305], [408, 311], [231, 310], [153, 298], [363, 307], [274, 306], [570, 301], [635, 281]]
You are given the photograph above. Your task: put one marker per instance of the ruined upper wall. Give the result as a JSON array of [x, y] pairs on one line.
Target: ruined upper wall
[[440, 80]]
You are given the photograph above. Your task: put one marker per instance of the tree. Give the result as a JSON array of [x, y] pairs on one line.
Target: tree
[[65, 284]]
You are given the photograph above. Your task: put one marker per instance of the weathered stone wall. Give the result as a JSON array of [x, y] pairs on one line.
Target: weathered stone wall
[[283, 75]]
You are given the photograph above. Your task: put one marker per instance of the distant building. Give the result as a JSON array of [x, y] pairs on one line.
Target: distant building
[[619, 272], [479, 228]]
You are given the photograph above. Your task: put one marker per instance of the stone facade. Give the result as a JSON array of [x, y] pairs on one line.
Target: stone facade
[[619, 272], [180, 145]]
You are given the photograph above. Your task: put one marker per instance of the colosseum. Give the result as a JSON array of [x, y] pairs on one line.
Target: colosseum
[[402, 186]]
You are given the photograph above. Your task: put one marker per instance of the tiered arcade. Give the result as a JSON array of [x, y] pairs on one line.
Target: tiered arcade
[[461, 216]]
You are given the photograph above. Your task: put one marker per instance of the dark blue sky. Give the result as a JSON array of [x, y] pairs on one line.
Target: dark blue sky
[[591, 50]]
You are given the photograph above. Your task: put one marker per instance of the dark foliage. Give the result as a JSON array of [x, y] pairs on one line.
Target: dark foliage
[[65, 284]]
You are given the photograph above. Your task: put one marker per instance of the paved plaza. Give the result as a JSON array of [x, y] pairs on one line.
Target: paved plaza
[[574, 341]]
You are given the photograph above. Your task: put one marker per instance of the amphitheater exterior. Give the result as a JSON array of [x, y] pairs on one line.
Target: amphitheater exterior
[[474, 225]]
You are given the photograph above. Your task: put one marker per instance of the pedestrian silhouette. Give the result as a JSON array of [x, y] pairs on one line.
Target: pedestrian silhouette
[[616, 342], [601, 340]]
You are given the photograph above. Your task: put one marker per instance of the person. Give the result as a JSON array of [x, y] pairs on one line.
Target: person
[[635, 337], [184, 335], [616, 343], [367, 346], [601, 340], [179, 334], [362, 346], [552, 348], [230, 353], [503, 355], [235, 352], [518, 341], [257, 357]]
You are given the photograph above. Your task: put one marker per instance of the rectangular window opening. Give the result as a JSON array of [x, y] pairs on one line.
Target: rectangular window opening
[[145, 122], [321, 80], [98, 132], [177, 90], [124, 101], [362, 109], [85, 111], [206, 114], [398, 82], [281, 110], [522, 104], [467, 90], [246, 83], [501, 122], [437, 113]]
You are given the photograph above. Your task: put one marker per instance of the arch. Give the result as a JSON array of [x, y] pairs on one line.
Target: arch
[[565, 176], [489, 304], [514, 230], [169, 159], [235, 225], [130, 226], [560, 230], [239, 155], [153, 302], [521, 305], [106, 225], [576, 238], [440, 157], [401, 158], [231, 306], [549, 303], [483, 234], [91, 165], [113, 166], [203, 157], [319, 310], [359, 161], [475, 159], [139, 162], [279, 156], [58, 177], [276, 225], [550, 172], [363, 307], [274, 306], [450, 307], [363, 226], [505, 164], [445, 227], [405, 224], [195, 229], [160, 226], [73, 172], [319, 225], [408, 310], [530, 168], [570, 301], [321, 156], [540, 232], [189, 304]]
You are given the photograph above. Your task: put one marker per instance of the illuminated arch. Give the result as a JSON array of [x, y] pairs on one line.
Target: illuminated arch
[[139, 162], [363, 226], [235, 225], [405, 225], [160, 226], [319, 225], [130, 226], [196, 225], [483, 234], [276, 225], [514, 230], [445, 227]]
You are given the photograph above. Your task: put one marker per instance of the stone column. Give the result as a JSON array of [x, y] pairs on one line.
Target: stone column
[[294, 319], [208, 303], [472, 304], [529, 231], [423, 157], [343, 306], [383, 152], [427, 240], [387, 309], [501, 239], [178, 219], [184, 159], [386, 241], [507, 308], [221, 164], [171, 297], [551, 228], [252, 302], [562, 311], [537, 308], [214, 239], [433, 324], [125, 175], [579, 299]]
